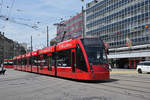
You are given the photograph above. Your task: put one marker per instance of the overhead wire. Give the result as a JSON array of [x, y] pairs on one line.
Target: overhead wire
[[11, 7], [8, 18], [1, 4], [1, 7]]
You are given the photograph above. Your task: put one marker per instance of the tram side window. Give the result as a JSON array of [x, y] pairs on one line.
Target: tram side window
[[30, 61], [24, 61], [19, 61], [81, 64], [8, 62], [53, 59], [27, 61], [45, 60], [15, 62], [63, 58], [33, 61], [5, 62], [36, 60], [49, 63]]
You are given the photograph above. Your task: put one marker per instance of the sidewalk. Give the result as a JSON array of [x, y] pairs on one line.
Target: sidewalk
[[123, 71]]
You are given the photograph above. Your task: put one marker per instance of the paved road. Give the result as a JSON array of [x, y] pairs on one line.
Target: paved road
[[123, 85]]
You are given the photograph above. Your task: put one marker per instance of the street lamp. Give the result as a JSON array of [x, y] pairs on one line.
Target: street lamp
[[47, 37], [31, 44], [83, 26], [3, 47]]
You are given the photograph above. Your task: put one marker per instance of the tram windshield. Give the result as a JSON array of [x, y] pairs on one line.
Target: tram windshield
[[94, 48]]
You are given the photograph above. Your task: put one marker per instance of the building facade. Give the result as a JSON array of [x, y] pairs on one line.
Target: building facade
[[9, 48], [69, 29], [124, 25]]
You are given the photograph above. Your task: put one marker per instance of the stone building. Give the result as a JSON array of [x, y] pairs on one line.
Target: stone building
[[9, 48]]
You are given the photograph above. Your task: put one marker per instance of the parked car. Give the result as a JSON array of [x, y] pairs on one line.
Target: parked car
[[143, 66]]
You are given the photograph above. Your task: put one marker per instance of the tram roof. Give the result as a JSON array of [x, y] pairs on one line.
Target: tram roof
[[66, 45], [28, 54], [18, 57], [14, 58], [46, 50], [6, 59], [34, 53]]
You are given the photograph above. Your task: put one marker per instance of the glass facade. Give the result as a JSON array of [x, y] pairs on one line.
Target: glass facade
[[117, 21]]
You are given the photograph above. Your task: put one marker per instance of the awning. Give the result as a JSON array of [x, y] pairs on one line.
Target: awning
[[130, 55]]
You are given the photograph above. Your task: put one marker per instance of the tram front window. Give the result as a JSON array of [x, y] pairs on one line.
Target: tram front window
[[95, 51], [96, 55]]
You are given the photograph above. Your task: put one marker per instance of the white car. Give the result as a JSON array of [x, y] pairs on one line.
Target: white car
[[143, 67]]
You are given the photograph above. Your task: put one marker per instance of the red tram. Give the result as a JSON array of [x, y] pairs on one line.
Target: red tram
[[8, 63], [82, 59]]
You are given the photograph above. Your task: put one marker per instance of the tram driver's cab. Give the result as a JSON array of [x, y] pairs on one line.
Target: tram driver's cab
[[96, 55]]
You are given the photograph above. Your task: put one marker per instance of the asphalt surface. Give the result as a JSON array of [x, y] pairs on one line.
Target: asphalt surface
[[123, 85]]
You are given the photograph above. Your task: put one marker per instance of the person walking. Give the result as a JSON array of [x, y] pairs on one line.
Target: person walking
[[2, 69], [2, 66]]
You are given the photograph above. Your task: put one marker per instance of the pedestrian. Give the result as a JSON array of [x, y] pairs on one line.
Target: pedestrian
[[2, 71], [2, 66]]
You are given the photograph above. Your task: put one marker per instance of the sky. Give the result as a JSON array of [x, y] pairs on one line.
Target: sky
[[28, 18]]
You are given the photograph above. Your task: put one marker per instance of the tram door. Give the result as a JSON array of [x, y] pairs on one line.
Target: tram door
[[54, 62], [50, 62], [73, 60]]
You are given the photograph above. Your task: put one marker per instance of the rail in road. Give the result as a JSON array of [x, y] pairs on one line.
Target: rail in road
[[124, 85]]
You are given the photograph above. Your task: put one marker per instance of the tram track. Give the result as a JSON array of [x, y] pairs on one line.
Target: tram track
[[122, 87], [130, 84], [137, 77], [20, 78], [123, 91], [133, 79], [127, 88]]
